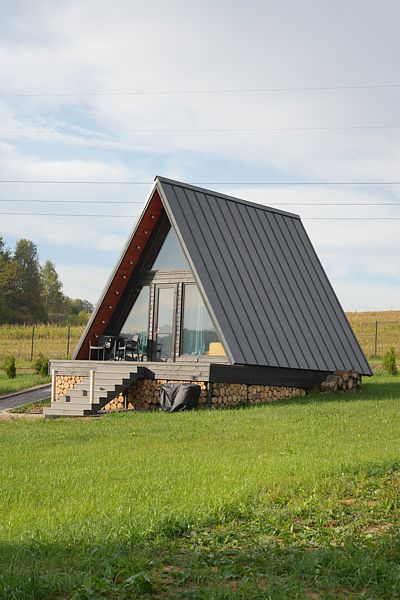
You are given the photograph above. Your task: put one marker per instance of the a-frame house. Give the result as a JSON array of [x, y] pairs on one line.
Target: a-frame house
[[216, 290]]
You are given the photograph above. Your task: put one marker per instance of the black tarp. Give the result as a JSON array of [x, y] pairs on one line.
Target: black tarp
[[175, 397]]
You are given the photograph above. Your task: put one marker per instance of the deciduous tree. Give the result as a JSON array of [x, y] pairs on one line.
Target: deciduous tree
[[52, 296], [27, 302]]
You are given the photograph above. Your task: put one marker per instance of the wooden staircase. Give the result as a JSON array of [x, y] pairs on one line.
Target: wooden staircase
[[98, 386]]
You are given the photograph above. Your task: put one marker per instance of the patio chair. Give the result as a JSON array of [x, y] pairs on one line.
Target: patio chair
[[102, 345], [128, 347]]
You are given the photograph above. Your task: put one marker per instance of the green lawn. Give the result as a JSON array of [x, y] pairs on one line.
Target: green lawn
[[21, 381], [294, 499]]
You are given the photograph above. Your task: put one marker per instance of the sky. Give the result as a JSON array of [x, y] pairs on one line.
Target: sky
[[118, 91]]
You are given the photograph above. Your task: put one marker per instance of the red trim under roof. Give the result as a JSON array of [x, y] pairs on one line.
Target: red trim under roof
[[116, 286]]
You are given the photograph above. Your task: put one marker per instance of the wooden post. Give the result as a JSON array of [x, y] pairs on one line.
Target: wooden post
[[91, 386], [376, 338], [209, 394], [68, 338], [32, 341], [53, 385]]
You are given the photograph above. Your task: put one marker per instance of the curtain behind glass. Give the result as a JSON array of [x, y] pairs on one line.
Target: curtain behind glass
[[198, 330]]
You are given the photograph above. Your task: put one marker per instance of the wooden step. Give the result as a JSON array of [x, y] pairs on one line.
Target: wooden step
[[76, 401]]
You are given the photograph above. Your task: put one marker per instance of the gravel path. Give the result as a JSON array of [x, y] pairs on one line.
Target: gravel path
[[24, 397]]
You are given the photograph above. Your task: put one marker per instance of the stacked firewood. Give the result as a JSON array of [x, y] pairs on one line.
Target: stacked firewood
[[344, 381], [228, 394], [234, 394], [259, 394], [118, 403], [65, 383]]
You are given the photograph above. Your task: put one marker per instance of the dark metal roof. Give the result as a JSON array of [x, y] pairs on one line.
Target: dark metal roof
[[262, 282]]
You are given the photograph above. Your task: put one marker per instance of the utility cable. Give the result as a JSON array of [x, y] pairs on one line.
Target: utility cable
[[137, 216], [201, 130], [203, 91], [254, 183], [110, 203]]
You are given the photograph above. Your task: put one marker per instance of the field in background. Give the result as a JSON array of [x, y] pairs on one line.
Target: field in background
[[384, 335], [49, 340], [52, 340]]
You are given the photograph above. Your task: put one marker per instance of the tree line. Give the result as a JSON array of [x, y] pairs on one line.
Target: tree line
[[31, 292]]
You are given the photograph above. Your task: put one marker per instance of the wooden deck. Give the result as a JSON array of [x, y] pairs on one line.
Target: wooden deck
[[215, 371]]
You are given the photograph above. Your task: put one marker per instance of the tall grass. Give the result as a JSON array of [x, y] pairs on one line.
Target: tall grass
[[388, 333], [49, 340]]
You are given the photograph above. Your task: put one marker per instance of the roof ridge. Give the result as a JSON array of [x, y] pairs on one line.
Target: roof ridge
[[216, 194]]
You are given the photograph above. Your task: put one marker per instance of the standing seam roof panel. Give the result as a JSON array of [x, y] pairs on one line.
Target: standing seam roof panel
[[294, 283], [326, 328], [205, 268], [211, 245], [280, 346], [286, 295], [237, 272], [262, 281], [304, 296], [275, 302], [348, 341]]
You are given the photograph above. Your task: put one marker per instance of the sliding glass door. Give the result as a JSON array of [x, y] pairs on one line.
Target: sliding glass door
[[164, 322]]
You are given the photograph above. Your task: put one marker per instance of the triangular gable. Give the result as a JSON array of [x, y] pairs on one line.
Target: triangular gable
[[259, 276], [126, 266]]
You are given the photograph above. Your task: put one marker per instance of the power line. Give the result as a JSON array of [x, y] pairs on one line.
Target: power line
[[136, 216], [203, 130], [14, 214], [336, 203], [108, 202], [350, 219], [202, 91], [72, 201], [267, 183]]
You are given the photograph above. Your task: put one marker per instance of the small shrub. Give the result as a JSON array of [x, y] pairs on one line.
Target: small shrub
[[389, 362], [41, 365], [9, 367]]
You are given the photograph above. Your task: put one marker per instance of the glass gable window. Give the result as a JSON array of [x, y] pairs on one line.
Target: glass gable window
[[138, 318], [164, 333], [198, 332], [171, 254]]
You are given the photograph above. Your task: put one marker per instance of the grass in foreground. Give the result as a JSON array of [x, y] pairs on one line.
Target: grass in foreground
[[21, 382], [289, 500]]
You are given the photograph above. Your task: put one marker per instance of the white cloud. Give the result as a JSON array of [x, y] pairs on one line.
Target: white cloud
[[130, 45], [83, 281], [367, 296]]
